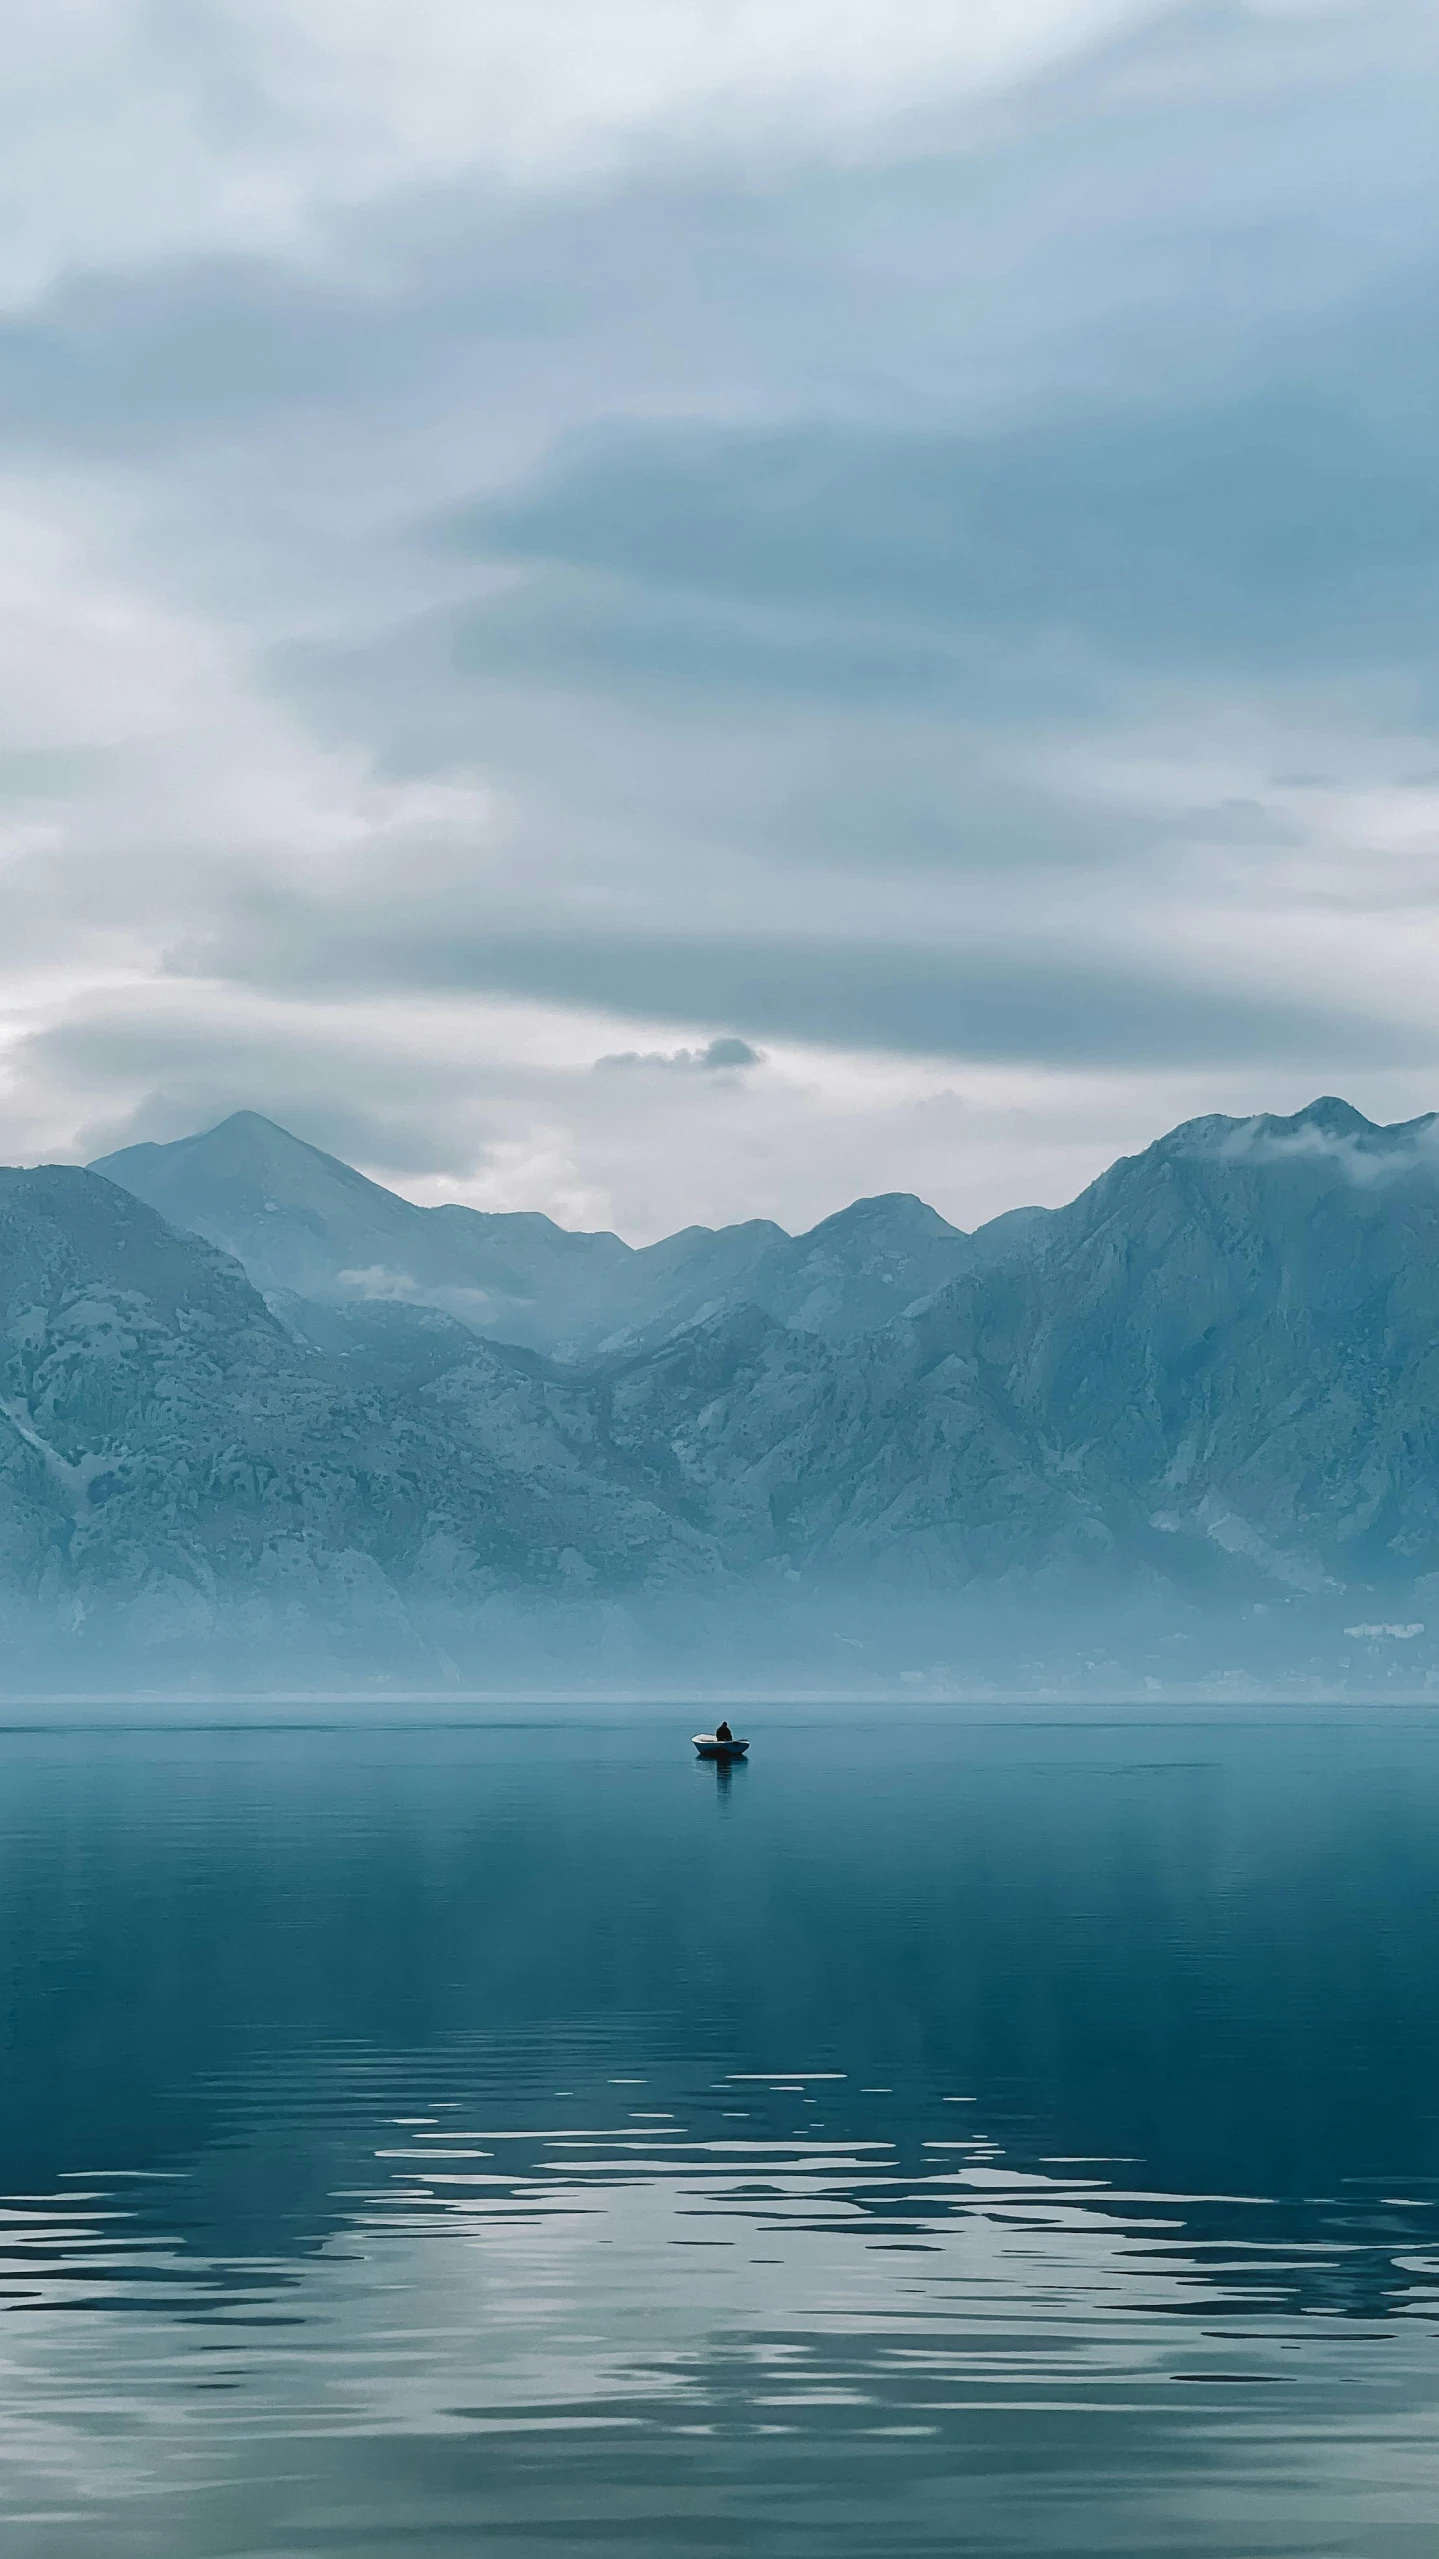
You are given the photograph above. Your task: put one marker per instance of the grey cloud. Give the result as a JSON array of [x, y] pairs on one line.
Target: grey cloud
[[1005, 1003], [161, 1078], [877, 488], [1240, 822], [469, 314], [229, 127], [1288, 530], [718, 1053], [730, 1052], [1019, 266], [133, 364], [879, 776], [617, 635]]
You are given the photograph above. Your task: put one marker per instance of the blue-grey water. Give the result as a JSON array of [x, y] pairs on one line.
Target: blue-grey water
[[992, 2135]]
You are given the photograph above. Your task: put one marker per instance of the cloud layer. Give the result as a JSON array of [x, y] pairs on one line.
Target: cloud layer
[[872, 576], [131, 138]]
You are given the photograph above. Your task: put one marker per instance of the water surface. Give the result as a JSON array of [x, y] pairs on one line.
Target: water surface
[[1008, 2135]]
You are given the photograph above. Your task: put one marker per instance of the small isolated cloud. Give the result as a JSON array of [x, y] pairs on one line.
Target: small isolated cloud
[[729, 1052], [719, 1053]]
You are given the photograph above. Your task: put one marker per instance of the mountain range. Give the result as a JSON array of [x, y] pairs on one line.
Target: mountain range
[[305, 1225], [246, 1393]]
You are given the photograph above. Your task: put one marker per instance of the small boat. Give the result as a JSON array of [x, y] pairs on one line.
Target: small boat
[[710, 1748]]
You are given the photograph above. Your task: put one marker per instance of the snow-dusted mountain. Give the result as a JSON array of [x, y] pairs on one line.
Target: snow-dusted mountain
[[306, 1224], [1212, 1380]]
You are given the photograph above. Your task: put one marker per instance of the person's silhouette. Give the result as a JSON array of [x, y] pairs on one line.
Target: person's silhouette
[[723, 1733]]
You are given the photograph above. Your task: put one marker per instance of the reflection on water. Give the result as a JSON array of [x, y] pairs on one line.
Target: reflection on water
[[1022, 2140]]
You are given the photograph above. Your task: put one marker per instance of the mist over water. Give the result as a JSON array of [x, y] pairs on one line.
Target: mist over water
[[979, 2134]]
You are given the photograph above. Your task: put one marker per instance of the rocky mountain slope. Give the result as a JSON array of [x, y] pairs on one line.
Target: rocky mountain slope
[[1214, 1378], [164, 1435], [1223, 1363]]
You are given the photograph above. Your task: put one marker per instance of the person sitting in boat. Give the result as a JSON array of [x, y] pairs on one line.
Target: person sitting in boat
[[722, 1732]]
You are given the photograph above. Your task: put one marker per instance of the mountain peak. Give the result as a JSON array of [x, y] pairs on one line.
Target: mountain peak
[[246, 1119], [246, 1150], [1331, 1116], [1331, 1122], [1328, 1122], [897, 1213], [250, 1126]]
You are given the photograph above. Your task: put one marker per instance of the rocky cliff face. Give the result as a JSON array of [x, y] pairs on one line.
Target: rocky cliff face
[[164, 1435], [1233, 1338], [1214, 1375]]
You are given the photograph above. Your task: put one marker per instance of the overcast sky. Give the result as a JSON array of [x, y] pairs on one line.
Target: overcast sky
[[677, 609]]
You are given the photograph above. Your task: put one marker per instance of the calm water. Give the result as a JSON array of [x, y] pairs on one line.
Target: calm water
[[1021, 2139]]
